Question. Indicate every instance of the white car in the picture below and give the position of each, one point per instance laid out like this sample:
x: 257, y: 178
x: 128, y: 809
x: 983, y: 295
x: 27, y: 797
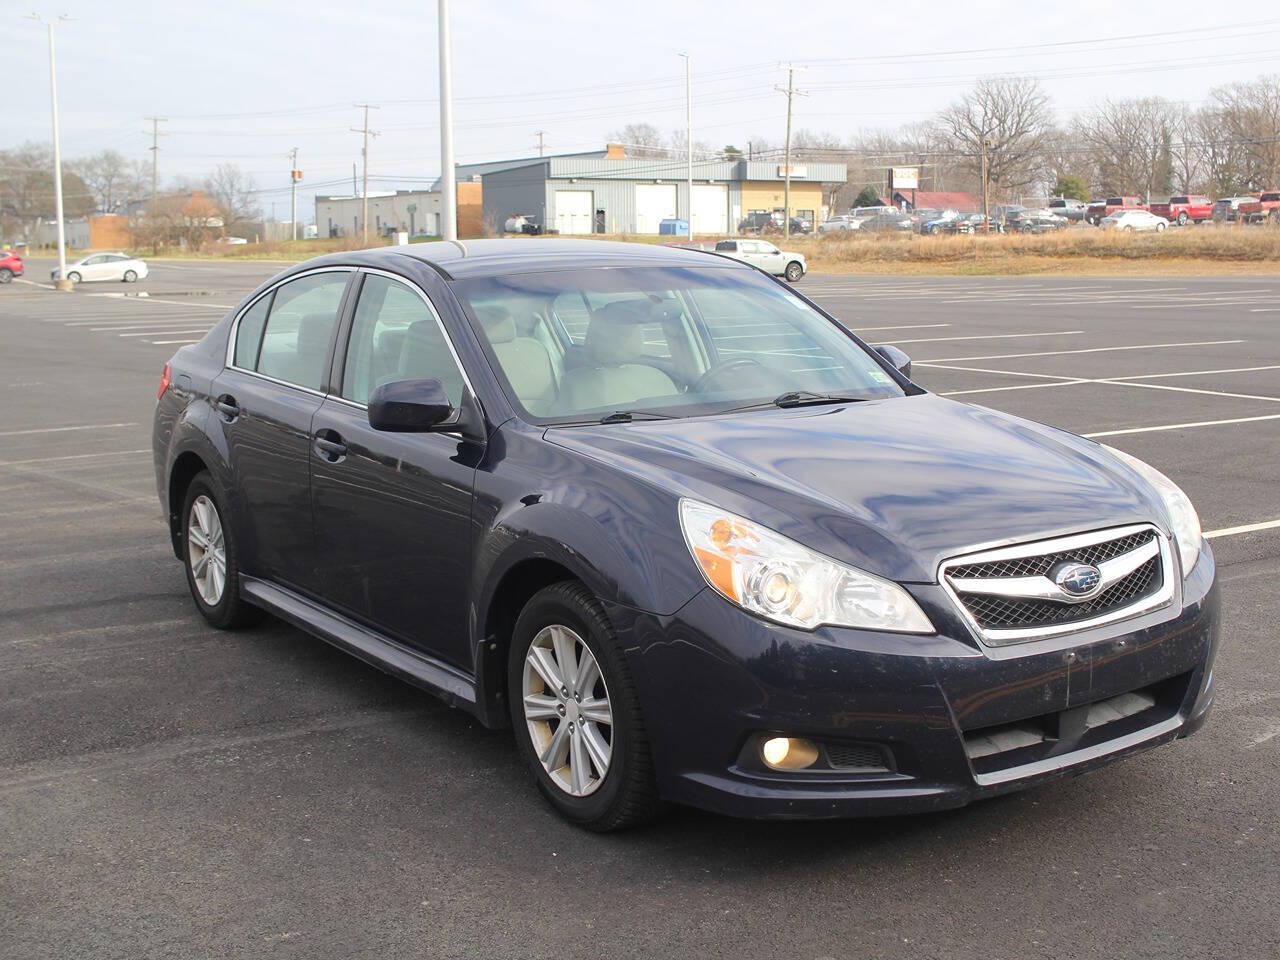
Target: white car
x: 763, y: 254
x: 104, y: 266
x: 1131, y: 221
x: 839, y: 224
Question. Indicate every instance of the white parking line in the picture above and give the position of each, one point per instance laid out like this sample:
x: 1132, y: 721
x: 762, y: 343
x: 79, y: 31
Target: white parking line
x: 162, y: 343
x: 1178, y: 426
x: 176, y: 303
x: 74, y: 456
x: 1243, y: 528
x: 995, y: 336
x: 900, y: 326
x: 1060, y: 353
x: 1018, y: 386
x: 83, y: 426
x: 163, y: 333
x: 1212, y: 393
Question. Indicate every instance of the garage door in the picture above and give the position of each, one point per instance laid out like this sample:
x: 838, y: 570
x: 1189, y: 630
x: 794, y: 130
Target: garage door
x: 710, y: 208
x: 573, y: 211
x: 655, y: 202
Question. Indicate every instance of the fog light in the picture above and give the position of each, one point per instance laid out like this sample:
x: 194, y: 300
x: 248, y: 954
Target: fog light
x: 789, y: 753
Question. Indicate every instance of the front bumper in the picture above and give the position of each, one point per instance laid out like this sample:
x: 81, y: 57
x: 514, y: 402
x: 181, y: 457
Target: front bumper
x: 713, y: 681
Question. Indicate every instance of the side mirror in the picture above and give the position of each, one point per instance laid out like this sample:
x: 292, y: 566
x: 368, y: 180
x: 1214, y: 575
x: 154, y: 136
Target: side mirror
x: 901, y: 362
x: 411, y: 406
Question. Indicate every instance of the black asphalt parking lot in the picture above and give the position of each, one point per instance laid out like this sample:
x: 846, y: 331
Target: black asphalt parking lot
x: 167, y: 790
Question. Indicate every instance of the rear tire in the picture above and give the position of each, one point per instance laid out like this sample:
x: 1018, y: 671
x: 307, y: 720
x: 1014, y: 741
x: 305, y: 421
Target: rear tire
x: 794, y: 272
x: 567, y: 624
x: 130, y: 276
x: 6, y: 275
x: 211, y: 558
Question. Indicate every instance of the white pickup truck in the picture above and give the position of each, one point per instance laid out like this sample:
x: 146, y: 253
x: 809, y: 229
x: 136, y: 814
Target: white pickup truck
x: 763, y: 254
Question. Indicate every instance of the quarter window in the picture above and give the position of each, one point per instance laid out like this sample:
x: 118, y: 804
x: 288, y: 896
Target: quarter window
x: 395, y: 336
x: 249, y: 333
x: 295, y: 343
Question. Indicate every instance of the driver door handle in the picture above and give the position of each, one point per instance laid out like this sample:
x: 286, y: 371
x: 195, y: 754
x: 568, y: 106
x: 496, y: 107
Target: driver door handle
x: 227, y: 407
x: 329, y: 446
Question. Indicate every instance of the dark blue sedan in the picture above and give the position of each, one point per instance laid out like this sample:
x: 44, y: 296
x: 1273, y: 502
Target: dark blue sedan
x: 685, y: 533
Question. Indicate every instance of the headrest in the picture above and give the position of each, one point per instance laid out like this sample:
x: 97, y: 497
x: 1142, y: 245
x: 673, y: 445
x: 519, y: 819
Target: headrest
x: 313, y: 333
x: 614, y: 335
x: 498, y: 325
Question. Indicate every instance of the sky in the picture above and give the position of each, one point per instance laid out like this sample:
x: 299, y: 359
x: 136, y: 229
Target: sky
x: 245, y: 82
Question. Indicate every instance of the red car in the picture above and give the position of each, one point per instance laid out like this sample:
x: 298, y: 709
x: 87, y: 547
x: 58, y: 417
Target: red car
x: 1266, y: 207
x: 1179, y: 210
x: 1098, y: 209
x: 10, y: 265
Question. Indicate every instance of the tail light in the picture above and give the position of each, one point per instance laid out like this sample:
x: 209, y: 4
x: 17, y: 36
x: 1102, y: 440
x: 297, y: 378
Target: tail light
x: 165, y: 380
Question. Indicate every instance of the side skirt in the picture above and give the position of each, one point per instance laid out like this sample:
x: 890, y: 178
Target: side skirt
x: 456, y: 688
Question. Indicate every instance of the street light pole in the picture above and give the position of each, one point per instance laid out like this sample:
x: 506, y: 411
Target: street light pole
x: 62, y: 283
x: 688, y: 133
x: 448, y: 187
x: 293, y: 194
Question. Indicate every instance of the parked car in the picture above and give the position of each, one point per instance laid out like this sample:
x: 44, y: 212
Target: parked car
x: 1038, y: 221
x: 1266, y: 207
x: 1134, y: 221
x: 889, y: 222
x: 861, y: 213
x: 1066, y: 207
x: 10, y: 266
x: 801, y: 225
x: 839, y: 224
x: 760, y: 221
x: 522, y: 223
x: 943, y: 222
x: 1226, y: 209
x: 680, y: 563
x: 1100, y: 209
x: 1181, y: 209
x: 763, y: 254
x: 104, y: 266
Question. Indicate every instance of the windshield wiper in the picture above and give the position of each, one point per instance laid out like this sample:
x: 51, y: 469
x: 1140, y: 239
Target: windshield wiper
x: 626, y: 416
x: 800, y: 398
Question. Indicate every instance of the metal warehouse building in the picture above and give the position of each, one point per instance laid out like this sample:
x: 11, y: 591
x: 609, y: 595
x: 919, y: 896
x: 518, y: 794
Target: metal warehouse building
x: 617, y: 194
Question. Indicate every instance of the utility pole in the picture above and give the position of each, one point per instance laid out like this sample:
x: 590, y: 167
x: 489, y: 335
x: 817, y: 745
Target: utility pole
x: 791, y: 93
x: 62, y: 282
x: 539, y: 134
x: 688, y: 131
x: 293, y: 194
x: 364, y: 190
x: 448, y: 186
x: 986, y: 214
x: 155, y: 159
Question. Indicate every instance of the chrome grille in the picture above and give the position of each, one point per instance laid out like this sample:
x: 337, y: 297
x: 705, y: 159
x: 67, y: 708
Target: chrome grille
x: 1007, y: 594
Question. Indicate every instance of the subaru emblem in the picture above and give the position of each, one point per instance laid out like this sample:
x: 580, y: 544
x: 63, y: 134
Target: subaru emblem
x: 1078, y: 580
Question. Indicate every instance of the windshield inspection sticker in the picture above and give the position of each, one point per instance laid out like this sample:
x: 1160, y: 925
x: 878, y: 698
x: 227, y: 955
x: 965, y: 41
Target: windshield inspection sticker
x: 879, y: 376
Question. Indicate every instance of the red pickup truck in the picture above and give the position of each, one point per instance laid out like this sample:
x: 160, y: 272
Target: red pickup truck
x: 1179, y: 210
x: 1104, y: 208
x: 1265, y: 207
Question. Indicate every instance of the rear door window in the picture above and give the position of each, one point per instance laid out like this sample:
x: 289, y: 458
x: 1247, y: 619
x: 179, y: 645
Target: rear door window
x: 295, y: 343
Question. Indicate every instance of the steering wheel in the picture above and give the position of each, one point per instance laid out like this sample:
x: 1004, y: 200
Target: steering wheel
x: 724, y: 366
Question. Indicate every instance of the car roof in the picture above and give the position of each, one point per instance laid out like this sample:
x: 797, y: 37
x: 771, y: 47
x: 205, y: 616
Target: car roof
x: 481, y: 258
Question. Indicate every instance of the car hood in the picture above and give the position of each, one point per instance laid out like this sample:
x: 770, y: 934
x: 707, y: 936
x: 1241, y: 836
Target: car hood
x: 892, y: 486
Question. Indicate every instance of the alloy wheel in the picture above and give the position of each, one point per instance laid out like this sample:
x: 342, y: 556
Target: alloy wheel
x: 207, y: 550
x: 567, y: 710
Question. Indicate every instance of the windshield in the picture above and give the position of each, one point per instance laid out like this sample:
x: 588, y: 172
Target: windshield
x: 578, y: 345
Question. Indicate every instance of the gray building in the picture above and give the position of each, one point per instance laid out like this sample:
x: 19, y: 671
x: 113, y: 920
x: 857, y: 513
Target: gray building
x: 611, y: 193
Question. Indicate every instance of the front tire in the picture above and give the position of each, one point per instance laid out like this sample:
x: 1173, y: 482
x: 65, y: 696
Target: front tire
x: 211, y: 558
x: 1182, y: 219
x: 576, y: 714
x: 73, y: 277
x: 6, y: 275
x: 130, y: 276
x: 1159, y: 228
x: 794, y: 272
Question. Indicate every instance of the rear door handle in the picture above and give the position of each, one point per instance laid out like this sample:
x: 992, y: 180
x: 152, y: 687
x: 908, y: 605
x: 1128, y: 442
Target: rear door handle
x: 227, y: 407
x: 329, y: 446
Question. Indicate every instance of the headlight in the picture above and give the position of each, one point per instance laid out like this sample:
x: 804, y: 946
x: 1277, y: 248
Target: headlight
x: 778, y: 579
x: 1183, y: 516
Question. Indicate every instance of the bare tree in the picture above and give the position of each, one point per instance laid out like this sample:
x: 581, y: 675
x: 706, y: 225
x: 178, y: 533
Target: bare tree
x: 1250, y: 115
x: 640, y: 140
x: 1012, y: 115
x: 107, y: 176
x: 231, y: 193
x: 1187, y: 156
x: 1131, y: 143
